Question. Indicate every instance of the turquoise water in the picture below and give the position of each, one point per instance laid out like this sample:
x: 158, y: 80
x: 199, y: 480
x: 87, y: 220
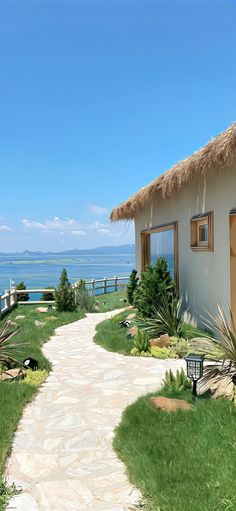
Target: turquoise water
x: 43, y: 271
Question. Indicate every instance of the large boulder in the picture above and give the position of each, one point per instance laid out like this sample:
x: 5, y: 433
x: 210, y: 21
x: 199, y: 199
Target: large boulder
x: 170, y: 405
x: 162, y: 342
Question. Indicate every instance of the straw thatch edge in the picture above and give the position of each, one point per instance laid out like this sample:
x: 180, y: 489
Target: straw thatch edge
x: 218, y: 153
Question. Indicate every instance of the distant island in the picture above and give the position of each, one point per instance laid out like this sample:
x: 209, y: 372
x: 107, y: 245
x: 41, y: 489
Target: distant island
x: 120, y: 249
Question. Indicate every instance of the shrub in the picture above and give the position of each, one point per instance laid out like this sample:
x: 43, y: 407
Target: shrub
x: 24, y: 297
x: 132, y: 286
x: 65, y: 295
x: 155, y: 281
x: 35, y: 378
x: 84, y: 299
x: 141, y: 342
x: 166, y: 319
x: 48, y: 296
x: 181, y: 347
x: 162, y: 353
x: 176, y: 384
x: 8, y: 347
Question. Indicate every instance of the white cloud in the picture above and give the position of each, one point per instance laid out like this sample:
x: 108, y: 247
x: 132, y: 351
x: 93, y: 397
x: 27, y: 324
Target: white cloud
x: 55, y: 224
x: 99, y: 210
x: 5, y: 228
x: 78, y: 233
x: 104, y: 231
x: 96, y: 226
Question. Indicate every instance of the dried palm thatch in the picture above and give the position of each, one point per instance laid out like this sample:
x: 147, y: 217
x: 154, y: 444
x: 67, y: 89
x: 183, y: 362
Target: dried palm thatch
x: 218, y: 153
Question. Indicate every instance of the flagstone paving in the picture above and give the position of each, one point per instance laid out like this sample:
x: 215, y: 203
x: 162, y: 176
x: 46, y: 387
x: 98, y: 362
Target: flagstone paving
x: 62, y: 455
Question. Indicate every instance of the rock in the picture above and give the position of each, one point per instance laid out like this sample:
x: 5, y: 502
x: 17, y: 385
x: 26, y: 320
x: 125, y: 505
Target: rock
x: 20, y: 316
x: 131, y: 316
x: 162, y: 342
x: 133, y: 331
x: 42, y: 309
x: 170, y: 405
x: 39, y: 324
x: 13, y: 374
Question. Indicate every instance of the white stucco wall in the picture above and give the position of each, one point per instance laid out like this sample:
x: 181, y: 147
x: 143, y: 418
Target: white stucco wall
x: 204, y: 277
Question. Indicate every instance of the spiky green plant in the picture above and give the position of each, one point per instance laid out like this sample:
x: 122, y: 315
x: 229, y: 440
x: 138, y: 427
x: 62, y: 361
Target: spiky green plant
x: 176, y: 383
x: 141, y: 342
x: 166, y: 319
x: 8, y: 347
x: 220, y: 350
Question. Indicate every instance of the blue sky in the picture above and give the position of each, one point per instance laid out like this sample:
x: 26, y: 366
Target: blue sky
x: 97, y: 99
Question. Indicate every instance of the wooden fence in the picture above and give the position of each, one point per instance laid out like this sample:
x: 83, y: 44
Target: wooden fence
x: 101, y: 286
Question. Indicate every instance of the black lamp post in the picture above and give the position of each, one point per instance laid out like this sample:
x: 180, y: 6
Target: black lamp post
x: 194, y: 370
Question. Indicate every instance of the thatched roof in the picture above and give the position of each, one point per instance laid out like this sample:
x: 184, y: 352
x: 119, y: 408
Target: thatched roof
x: 218, y: 153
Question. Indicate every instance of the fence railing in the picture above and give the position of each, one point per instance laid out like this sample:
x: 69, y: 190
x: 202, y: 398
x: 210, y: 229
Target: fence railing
x: 101, y: 286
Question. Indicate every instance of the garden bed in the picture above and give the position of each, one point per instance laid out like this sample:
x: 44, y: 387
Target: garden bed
x: 113, y: 337
x: 180, y: 461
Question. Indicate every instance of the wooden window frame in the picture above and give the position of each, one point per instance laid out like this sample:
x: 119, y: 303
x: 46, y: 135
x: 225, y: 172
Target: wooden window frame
x: 196, y: 221
x: 145, y: 246
x: 232, y: 228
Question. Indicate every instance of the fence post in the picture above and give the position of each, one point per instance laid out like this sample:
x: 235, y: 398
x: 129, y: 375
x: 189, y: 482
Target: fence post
x: 93, y: 286
x: 0, y: 305
x: 105, y: 285
x: 14, y: 294
x: 7, y: 299
x: 116, y: 283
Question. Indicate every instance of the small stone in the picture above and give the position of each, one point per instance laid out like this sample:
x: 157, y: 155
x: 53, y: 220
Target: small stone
x: 51, y: 318
x: 162, y: 342
x: 133, y: 331
x: 42, y: 309
x: 170, y: 405
x: 39, y: 324
x: 20, y: 316
x: 131, y: 316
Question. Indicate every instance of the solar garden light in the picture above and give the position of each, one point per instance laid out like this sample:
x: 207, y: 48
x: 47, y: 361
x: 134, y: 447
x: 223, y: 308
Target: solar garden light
x: 194, y: 370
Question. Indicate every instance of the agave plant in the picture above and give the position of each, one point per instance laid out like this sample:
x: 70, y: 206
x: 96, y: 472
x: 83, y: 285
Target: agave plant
x: 222, y: 353
x: 167, y: 318
x: 8, y: 347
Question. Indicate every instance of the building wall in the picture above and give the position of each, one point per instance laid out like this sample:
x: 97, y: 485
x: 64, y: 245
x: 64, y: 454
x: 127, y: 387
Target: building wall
x: 204, y: 277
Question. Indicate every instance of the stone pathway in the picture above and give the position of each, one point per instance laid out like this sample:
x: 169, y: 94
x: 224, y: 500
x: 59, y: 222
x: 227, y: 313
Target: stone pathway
x: 62, y: 455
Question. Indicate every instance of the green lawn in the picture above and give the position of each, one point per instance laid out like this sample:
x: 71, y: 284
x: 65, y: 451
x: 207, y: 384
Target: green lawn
x: 111, y: 336
x: 14, y: 396
x: 113, y: 301
x: 181, y: 461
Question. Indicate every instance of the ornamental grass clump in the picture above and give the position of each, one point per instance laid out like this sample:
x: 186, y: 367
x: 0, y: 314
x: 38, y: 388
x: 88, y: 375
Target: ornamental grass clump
x: 167, y: 318
x: 221, y: 351
x: 176, y: 384
x: 8, y: 347
x: 84, y: 299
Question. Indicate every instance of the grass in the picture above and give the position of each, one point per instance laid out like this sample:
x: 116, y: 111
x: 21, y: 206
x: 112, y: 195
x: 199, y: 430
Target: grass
x: 111, y: 336
x: 14, y: 396
x: 113, y: 301
x: 181, y: 461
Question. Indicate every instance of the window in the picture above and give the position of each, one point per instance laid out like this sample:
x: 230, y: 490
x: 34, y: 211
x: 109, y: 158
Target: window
x: 161, y: 241
x: 201, y: 232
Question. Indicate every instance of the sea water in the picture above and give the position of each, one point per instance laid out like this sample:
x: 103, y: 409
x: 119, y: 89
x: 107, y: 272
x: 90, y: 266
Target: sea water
x: 43, y: 271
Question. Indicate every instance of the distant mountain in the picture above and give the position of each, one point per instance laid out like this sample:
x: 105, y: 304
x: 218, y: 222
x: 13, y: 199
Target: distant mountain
x: 120, y: 249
